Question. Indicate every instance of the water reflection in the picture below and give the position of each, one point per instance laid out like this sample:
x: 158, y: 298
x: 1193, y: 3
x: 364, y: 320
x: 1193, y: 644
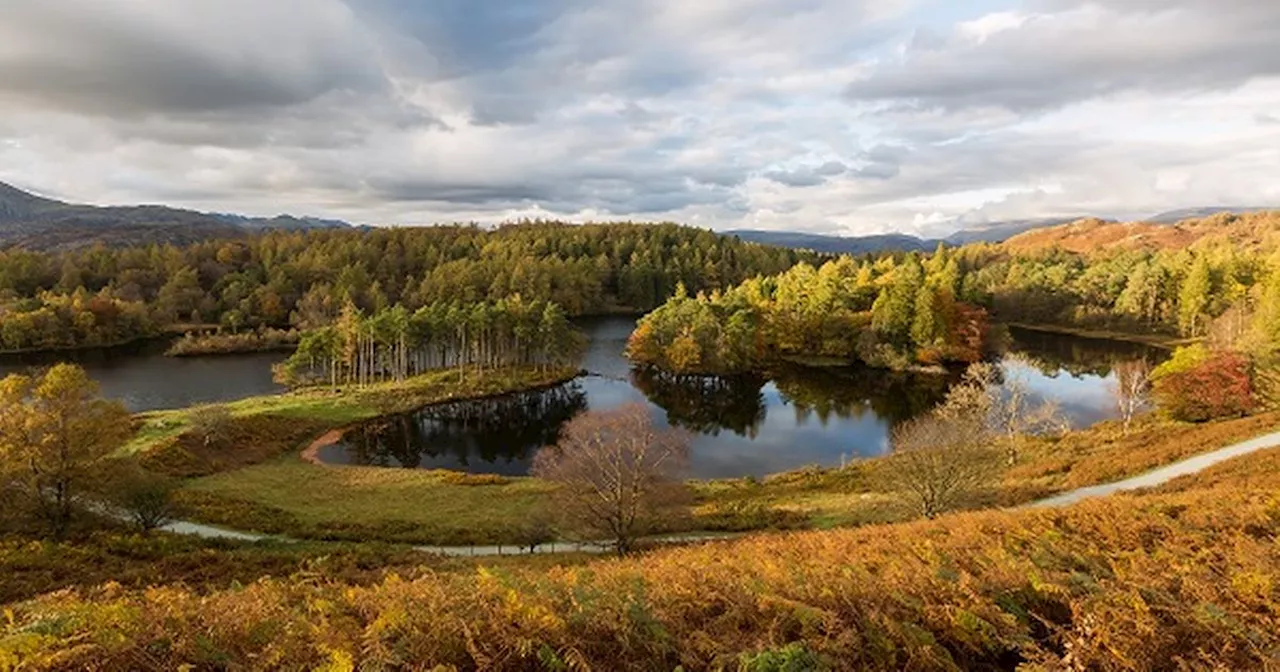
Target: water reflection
x: 743, y: 425
x: 497, y: 435
x: 705, y: 404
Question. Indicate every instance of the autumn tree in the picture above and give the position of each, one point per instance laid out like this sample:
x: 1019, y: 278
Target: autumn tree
x: 54, y: 431
x: 1197, y: 385
x: 941, y: 462
x: 618, y: 474
x: 1132, y: 389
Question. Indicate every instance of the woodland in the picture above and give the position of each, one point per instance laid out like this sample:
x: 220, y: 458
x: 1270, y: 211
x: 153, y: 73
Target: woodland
x: 930, y: 557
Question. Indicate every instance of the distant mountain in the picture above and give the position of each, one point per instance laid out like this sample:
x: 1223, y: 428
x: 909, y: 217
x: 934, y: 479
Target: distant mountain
x: 832, y: 244
x: 1175, y: 216
x: 994, y: 232
x: 997, y: 232
x: 37, y: 223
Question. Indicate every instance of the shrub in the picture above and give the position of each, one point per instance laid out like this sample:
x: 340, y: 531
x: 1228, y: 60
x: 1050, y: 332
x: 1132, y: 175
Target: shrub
x: 1219, y: 386
x: 210, y: 424
x: 146, y: 498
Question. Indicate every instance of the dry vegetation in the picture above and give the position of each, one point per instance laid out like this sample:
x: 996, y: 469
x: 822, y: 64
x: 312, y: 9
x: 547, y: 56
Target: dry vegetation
x: 1244, y: 231
x: 1178, y: 580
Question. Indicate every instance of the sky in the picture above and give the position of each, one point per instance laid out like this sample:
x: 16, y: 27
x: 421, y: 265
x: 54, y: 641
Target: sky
x: 828, y: 116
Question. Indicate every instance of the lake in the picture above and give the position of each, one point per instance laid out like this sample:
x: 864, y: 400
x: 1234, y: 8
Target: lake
x: 141, y: 377
x: 742, y: 426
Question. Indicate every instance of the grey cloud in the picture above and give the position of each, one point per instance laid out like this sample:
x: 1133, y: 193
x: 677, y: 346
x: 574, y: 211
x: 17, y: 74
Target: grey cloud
x: 1079, y: 51
x: 120, y: 58
x: 1266, y: 119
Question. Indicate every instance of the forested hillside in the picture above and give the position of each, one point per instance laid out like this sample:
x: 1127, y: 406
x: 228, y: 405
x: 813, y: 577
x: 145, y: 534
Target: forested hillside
x: 303, y: 279
x: 1216, y: 278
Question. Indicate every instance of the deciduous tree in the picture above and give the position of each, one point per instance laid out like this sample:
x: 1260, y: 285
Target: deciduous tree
x: 941, y: 462
x: 617, y: 473
x: 1132, y: 389
x: 55, y: 430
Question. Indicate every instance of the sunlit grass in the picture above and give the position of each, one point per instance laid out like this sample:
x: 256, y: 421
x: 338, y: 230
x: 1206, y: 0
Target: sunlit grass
x: 293, y: 497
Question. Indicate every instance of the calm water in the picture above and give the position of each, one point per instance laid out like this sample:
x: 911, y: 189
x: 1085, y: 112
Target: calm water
x: 145, y: 380
x: 742, y: 426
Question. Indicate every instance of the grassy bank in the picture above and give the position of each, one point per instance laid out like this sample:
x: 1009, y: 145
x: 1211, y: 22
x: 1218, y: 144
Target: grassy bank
x: 295, y: 498
x: 1181, y: 580
x: 264, y: 340
x: 322, y: 408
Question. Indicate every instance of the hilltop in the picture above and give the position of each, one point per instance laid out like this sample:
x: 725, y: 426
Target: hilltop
x: 38, y: 223
x: 1075, y: 233
x: 1246, y: 231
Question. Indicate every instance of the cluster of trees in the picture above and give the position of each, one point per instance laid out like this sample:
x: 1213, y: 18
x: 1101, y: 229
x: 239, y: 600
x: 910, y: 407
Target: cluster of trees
x: 395, y: 343
x: 886, y: 312
x: 303, y: 279
x: 1179, y: 291
x: 50, y: 321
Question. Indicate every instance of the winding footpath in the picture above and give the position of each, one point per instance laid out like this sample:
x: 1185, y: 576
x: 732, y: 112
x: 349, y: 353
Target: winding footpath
x: 1152, y: 478
x: 1164, y: 474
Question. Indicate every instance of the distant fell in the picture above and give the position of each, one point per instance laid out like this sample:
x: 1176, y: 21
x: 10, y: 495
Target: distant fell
x: 1246, y: 230
x: 993, y: 232
x: 1175, y: 216
x: 37, y: 223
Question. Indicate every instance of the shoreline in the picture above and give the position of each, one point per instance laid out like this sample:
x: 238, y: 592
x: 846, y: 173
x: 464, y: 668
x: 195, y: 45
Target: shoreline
x: 310, y: 454
x: 1153, y: 340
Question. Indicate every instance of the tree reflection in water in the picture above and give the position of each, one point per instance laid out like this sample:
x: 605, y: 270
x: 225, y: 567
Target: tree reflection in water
x: 496, y: 435
x: 853, y: 392
x: 705, y: 404
x: 743, y: 423
x: 1078, y: 356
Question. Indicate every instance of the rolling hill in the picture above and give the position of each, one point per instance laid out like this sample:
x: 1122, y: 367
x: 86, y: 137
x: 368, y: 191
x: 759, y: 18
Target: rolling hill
x: 1244, y: 231
x: 1166, y: 229
x: 37, y: 223
x: 993, y: 232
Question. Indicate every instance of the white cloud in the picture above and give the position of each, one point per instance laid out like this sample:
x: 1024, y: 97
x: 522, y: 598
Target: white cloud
x: 725, y: 114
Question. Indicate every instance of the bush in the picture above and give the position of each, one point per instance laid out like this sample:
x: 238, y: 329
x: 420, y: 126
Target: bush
x: 210, y: 424
x: 1219, y: 386
x: 147, y: 498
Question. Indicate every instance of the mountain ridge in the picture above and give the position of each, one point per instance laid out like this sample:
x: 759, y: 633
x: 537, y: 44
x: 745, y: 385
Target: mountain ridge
x: 35, y: 222
x: 994, y: 232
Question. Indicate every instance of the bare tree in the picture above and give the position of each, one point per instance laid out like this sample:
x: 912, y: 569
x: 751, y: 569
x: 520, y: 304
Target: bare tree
x: 618, y: 474
x: 941, y: 462
x: 1002, y: 398
x: 1132, y: 389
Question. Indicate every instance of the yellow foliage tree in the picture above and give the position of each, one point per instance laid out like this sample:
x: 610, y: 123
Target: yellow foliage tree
x: 54, y: 429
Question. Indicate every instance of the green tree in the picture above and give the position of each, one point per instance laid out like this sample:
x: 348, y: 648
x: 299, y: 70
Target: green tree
x: 1194, y: 298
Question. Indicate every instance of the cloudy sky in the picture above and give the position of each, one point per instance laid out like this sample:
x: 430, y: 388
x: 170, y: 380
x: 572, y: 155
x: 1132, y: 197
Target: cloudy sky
x: 836, y: 116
